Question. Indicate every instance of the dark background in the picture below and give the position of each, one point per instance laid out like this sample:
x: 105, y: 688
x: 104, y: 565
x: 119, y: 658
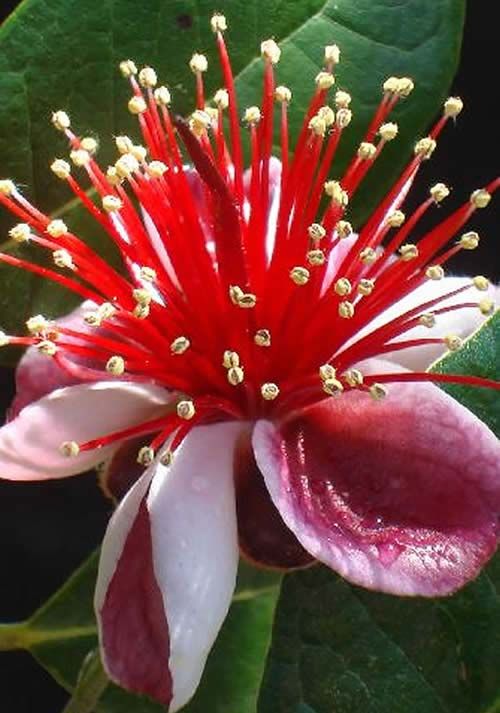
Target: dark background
x: 47, y: 529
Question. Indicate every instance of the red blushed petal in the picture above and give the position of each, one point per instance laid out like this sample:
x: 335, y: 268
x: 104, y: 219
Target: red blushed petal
x: 400, y: 495
x: 263, y: 537
x: 134, y: 629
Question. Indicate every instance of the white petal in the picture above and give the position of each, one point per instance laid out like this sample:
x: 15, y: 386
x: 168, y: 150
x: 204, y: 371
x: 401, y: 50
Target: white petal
x: 459, y: 322
x: 29, y: 445
x: 195, y: 548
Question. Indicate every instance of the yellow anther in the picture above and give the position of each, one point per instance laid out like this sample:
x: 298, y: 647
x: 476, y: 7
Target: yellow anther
x: 139, y: 152
x: 332, y: 54
x: 326, y: 372
x: 378, y: 392
x: 141, y: 311
x: 148, y: 78
x: 453, y: 106
x: 56, y: 228
x: 366, y: 287
x: 486, y: 307
x: 61, y: 120
x: 283, y: 94
x: 61, y: 168
x: 156, y: 169
x: 269, y: 391
x: 334, y: 190
x: 353, y: 377
x: 346, y: 309
x: 425, y: 147
x: 20, y: 233
x: 186, y: 409
x: 388, y: 131
x: 7, y: 187
x: 88, y: 143
x: 427, y: 319
x: 469, y: 241
x: 80, y: 157
x: 142, y: 296
x: 148, y: 274
x: 93, y: 319
x: 270, y: 51
x: 342, y: 99
x: 434, y: 272
x: 212, y: 113
x: 316, y: 257
x: 137, y: 105
x: 221, y: 98
x: 245, y: 300
x: 167, y: 458
x: 146, y: 455
x: 368, y: 256
x: 324, y: 80
x: 127, y: 68
x: 439, y: 192
x: 317, y: 125
x: 453, y: 342
x: 343, y: 118
x: 69, y: 449
x: 395, y: 219
x: 481, y: 283
x: 333, y: 387
x: 47, y: 347
x: 4, y: 339
x: 405, y: 86
x: 112, y: 175
x: 115, y: 365
x: 327, y: 114
x: 408, y: 252
x: 162, y: 96
x: 391, y: 85
x: 342, y: 286
x: 123, y: 144
x: 218, y: 23
x: 62, y: 258
x: 106, y: 310
x: 480, y: 198
x: 111, y: 203
x: 198, y: 63
x: 252, y: 115
x: 230, y: 359
x: 180, y: 345
x: 262, y: 338
x: 367, y: 151
x: 126, y: 165
x: 235, y: 375
x: 344, y: 229
x: 316, y: 232
x: 300, y: 275
x: 37, y: 324
x: 199, y: 122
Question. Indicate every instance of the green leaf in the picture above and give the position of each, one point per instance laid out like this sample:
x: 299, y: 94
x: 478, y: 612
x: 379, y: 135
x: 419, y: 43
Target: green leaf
x: 478, y: 356
x: 61, y: 635
x: 64, y: 54
x: 341, y: 649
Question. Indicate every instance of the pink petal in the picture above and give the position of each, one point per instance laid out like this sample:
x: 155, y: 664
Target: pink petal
x: 263, y: 536
x: 459, y: 322
x: 168, y: 569
x: 36, y: 375
x: 400, y: 495
x: 29, y: 445
x: 133, y: 627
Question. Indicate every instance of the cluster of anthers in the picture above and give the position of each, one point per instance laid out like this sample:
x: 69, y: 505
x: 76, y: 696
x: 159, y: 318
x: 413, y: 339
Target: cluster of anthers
x: 243, y: 292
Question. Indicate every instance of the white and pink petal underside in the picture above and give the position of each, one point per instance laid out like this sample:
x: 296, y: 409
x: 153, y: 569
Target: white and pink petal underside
x: 168, y: 569
x: 400, y: 495
x: 29, y: 445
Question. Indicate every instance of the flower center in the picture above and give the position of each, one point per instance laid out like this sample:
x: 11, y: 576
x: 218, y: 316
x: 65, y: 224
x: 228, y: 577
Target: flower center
x: 246, y: 293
